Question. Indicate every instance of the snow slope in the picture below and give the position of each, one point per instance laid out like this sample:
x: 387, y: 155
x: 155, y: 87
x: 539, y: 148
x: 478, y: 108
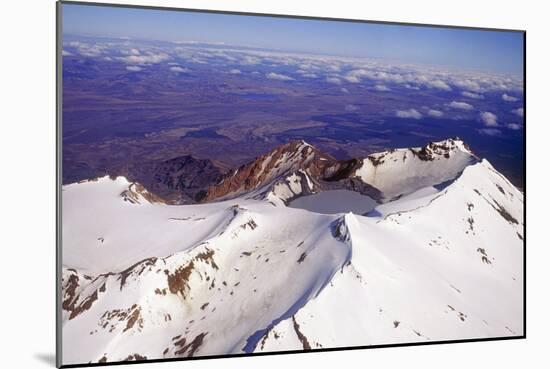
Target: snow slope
x: 403, y: 171
x: 447, y: 267
x: 145, y: 280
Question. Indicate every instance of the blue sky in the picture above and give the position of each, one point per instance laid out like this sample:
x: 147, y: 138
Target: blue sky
x: 491, y: 51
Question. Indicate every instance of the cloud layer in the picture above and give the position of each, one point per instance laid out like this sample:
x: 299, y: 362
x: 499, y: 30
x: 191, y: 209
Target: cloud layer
x: 489, y: 119
x: 410, y: 113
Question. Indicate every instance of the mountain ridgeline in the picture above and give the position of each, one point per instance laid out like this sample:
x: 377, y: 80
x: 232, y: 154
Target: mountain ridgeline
x: 439, y: 257
x: 298, y: 168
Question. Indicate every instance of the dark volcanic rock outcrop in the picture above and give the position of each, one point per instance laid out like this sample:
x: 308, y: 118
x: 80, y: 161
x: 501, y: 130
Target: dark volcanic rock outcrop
x: 180, y: 180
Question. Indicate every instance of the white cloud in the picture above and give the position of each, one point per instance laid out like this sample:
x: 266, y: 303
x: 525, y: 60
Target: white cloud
x: 439, y: 84
x: 65, y: 53
x: 488, y: 118
x: 411, y: 113
x: 435, y: 113
x: 309, y: 75
x: 381, y: 88
x: 519, y: 112
x: 355, y: 75
x: 490, y: 131
x: 344, y: 90
x: 88, y: 50
x: 351, y: 107
x: 251, y: 60
x: 133, y: 68
x: 334, y: 80
x: 352, y: 79
x: 514, y: 126
x: 411, y: 87
x: 461, y: 105
x: 472, y: 95
x: 178, y: 69
x: 468, y: 84
x: 507, y: 97
x: 280, y: 77
x: 132, y: 51
x: 149, y: 58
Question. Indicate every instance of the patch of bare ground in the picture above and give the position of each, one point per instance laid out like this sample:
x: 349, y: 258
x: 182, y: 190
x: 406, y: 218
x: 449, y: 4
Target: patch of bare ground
x: 460, y: 314
x: 69, y: 292
x: 251, y: 224
x: 504, y: 213
x: 189, y: 349
x: 470, y: 221
x: 159, y: 291
x: 135, y: 190
x: 84, y: 305
x: 519, y: 236
x: 207, y: 257
x: 303, y: 339
x: 112, y: 318
x: 179, y: 281
x: 484, y: 256
x: 266, y: 336
x: 136, y: 269
x: 135, y: 357
x: 134, y: 317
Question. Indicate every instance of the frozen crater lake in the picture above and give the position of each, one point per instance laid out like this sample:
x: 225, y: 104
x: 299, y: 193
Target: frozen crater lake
x: 335, y: 201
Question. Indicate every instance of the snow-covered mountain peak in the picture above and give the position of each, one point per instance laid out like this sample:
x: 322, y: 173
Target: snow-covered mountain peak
x: 280, y: 162
x: 156, y: 281
x: 401, y: 171
x: 137, y: 194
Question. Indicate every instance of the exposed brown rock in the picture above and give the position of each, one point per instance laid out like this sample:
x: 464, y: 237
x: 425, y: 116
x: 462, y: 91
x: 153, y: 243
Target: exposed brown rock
x: 135, y: 357
x: 84, y: 305
x: 135, y: 317
x: 207, y: 257
x: 69, y: 292
x: 137, y: 269
x: 178, y: 282
x: 267, y: 168
x: 135, y: 191
x: 190, y: 348
x: 301, y: 336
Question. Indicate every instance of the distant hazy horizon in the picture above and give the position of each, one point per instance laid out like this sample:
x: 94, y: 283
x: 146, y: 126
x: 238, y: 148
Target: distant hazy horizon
x: 482, y: 50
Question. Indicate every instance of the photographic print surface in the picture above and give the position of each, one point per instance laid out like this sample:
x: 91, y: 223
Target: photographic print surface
x: 238, y: 184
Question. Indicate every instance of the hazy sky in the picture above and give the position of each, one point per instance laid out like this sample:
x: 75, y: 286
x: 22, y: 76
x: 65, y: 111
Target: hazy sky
x: 492, y: 51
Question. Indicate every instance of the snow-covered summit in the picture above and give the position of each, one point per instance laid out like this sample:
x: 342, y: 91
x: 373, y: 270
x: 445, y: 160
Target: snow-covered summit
x: 403, y: 171
x: 145, y: 280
